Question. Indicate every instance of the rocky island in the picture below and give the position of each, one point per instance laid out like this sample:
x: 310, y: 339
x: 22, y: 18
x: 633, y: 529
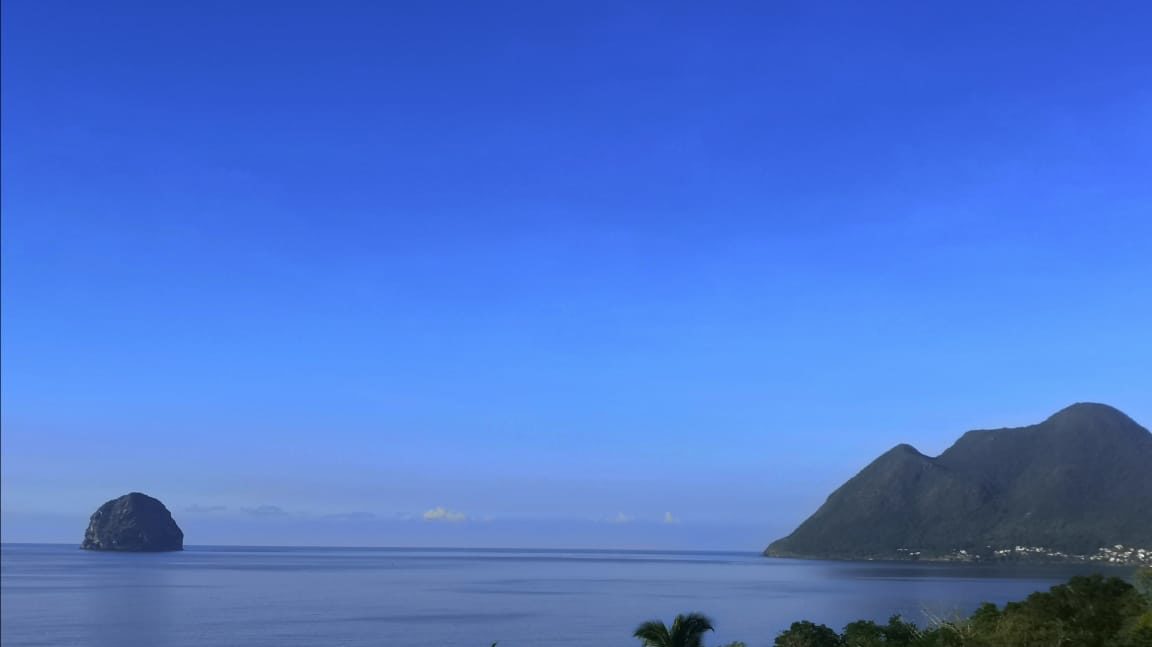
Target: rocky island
x: 134, y: 522
x: 1074, y: 488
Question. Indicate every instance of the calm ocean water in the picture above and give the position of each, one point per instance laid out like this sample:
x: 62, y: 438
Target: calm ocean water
x: 209, y: 596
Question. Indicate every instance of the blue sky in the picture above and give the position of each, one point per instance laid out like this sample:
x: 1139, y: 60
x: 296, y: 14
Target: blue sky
x: 308, y: 271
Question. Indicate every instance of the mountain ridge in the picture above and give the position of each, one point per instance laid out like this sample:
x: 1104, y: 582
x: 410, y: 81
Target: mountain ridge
x: 1076, y: 482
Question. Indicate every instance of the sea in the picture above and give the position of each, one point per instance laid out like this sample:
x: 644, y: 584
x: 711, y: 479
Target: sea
x: 60, y: 596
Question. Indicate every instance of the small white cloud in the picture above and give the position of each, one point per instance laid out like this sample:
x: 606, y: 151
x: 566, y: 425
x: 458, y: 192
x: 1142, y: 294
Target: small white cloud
x: 440, y: 513
x: 669, y: 518
x: 623, y: 518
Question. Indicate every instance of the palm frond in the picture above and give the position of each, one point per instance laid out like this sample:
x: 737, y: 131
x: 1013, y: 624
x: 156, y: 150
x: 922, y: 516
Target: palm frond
x: 654, y: 634
x: 688, y: 629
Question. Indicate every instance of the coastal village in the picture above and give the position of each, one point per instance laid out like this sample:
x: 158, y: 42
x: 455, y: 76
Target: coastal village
x: 1118, y: 554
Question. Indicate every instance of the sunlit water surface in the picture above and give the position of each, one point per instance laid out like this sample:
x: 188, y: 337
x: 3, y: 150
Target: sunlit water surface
x: 217, y: 596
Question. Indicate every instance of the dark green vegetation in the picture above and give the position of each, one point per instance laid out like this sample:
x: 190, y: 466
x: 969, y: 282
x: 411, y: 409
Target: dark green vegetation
x: 134, y: 522
x: 686, y: 631
x: 1091, y: 611
x: 1078, y: 481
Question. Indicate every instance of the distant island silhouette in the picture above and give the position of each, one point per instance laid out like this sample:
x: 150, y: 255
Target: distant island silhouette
x: 1076, y: 487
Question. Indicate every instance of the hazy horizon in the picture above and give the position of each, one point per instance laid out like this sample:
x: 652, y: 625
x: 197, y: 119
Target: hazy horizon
x: 654, y: 276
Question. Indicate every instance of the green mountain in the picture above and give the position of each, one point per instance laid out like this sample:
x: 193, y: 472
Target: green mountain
x: 1078, y: 481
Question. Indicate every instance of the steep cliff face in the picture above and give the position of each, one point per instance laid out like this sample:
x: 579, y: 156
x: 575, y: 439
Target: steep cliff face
x: 133, y: 522
x: 1080, y: 480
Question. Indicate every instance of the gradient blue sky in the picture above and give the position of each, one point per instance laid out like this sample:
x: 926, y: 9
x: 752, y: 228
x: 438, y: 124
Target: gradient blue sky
x: 306, y: 271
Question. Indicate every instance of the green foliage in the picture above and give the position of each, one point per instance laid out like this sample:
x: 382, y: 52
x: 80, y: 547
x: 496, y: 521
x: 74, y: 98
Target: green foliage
x: 687, y: 631
x: 807, y: 634
x: 868, y: 633
x: 900, y: 633
x: 1086, y: 612
x: 1093, y: 611
x: 865, y: 633
x: 1143, y: 582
